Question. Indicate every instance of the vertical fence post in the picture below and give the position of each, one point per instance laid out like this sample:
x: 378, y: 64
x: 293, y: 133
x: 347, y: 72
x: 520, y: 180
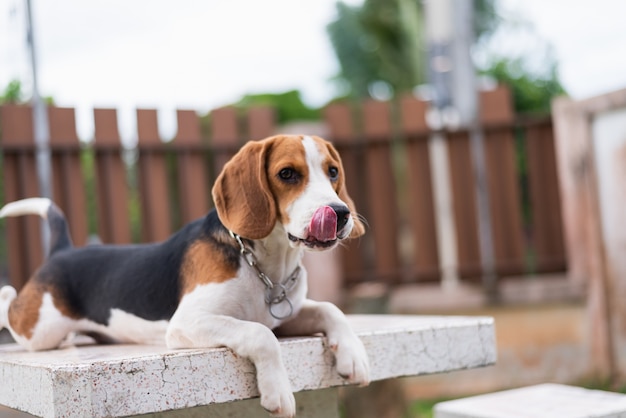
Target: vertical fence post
x: 502, y: 180
x: 380, y: 177
x: 547, y: 226
x: 68, y: 180
x: 224, y: 136
x: 111, y: 181
x: 260, y: 122
x: 338, y: 117
x: 20, y: 181
x: 419, y: 188
x: 464, y: 206
x: 192, y: 180
x: 153, y: 179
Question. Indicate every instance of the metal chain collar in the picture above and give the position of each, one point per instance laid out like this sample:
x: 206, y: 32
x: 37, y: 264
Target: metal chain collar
x: 275, y: 293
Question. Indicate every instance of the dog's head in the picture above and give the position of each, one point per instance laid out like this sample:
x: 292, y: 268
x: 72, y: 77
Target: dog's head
x: 297, y: 181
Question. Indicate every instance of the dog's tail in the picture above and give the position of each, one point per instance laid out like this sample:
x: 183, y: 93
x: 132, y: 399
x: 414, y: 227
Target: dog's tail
x: 59, y: 233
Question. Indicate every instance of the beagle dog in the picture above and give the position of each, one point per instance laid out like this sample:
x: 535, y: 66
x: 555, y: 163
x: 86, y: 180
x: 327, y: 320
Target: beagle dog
x: 226, y: 280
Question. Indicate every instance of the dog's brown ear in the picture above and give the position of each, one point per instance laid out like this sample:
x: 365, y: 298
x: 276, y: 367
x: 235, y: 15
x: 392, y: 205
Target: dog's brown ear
x: 342, y: 192
x: 242, y: 195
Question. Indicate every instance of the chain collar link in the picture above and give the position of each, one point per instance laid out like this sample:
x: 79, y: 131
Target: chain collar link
x: 275, y: 293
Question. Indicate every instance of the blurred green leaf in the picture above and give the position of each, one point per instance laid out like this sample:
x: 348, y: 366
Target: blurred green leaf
x: 12, y: 93
x: 288, y: 105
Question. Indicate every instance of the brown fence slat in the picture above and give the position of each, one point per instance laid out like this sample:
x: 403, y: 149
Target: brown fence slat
x: 69, y: 187
x: 224, y: 136
x: 261, y: 122
x: 111, y: 184
x: 24, y: 246
x: 193, y: 187
x: 383, y: 212
x: 547, y: 226
x: 153, y: 179
x: 421, y: 206
x: 340, y: 124
x: 464, y: 205
x: 504, y: 197
x: 502, y: 177
x: 496, y: 107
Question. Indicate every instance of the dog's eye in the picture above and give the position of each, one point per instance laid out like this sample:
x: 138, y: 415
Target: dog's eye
x: 288, y: 175
x: 333, y: 173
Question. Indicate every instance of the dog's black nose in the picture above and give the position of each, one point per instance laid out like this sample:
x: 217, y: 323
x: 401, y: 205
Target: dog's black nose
x: 343, y: 215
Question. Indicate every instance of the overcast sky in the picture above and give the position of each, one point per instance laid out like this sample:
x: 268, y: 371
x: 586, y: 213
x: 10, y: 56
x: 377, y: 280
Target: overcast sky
x: 169, y: 54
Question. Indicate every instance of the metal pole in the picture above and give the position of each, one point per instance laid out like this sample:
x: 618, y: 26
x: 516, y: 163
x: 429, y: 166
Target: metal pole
x: 466, y: 101
x: 455, y: 105
x: 439, y: 35
x: 40, y: 127
x: 485, y: 236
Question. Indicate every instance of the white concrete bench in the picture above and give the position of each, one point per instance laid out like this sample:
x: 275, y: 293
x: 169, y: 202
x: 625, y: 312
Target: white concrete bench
x: 539, y: 401
x: 126, y: 380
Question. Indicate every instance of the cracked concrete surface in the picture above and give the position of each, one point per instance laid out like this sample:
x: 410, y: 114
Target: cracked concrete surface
x: 118, y: 380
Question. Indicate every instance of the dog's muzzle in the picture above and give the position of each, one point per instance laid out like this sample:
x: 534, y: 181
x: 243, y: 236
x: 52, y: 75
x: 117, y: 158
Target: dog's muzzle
x: 326, y: 223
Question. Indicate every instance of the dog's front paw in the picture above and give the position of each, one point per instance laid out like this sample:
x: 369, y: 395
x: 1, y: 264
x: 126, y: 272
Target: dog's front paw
x: 277, y: 397
x: 351, y: 360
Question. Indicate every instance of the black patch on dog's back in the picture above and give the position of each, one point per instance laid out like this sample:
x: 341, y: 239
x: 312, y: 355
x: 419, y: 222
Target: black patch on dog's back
x: 143, y: 280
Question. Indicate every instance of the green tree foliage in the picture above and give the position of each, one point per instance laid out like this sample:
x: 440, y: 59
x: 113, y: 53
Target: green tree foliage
x: 383, y: 41
x: 288, y: 105
x: 532, y: 92
x: 12, y: 93
x: 380, y: 41
x: 486, y: 18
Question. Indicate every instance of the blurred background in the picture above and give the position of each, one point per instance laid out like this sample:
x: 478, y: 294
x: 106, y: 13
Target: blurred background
x: 169, y: 55
x: 443, y: 111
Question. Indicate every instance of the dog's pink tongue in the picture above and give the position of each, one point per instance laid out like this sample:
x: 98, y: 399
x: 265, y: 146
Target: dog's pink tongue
x: 323, y: 226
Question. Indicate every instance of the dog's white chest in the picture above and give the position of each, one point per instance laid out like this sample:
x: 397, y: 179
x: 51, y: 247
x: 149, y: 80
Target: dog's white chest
x: 243, y: 297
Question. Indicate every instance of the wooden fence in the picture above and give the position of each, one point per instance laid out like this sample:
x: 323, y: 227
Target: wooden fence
x: 385, y: 151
